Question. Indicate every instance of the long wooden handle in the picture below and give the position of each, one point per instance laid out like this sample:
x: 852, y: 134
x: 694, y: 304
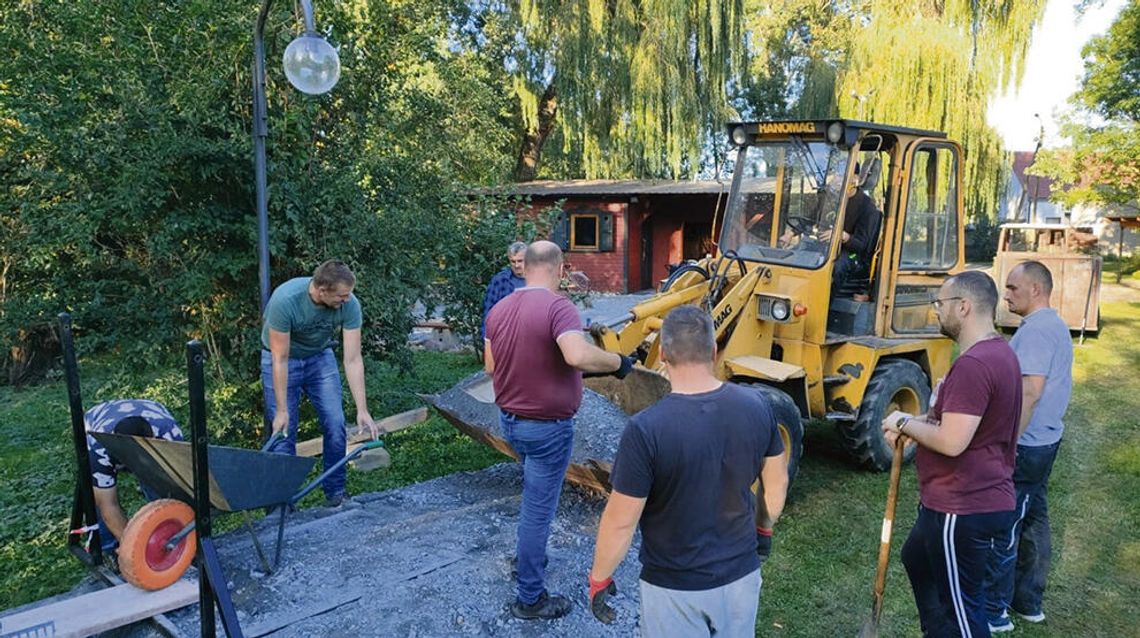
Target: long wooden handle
x: 885, y: 534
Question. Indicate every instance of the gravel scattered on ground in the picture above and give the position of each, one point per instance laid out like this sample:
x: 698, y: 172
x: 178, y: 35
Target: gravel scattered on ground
x: 431, y: 559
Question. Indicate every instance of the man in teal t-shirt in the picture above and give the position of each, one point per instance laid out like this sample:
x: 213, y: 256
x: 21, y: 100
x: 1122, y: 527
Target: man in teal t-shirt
x: 297, y: 335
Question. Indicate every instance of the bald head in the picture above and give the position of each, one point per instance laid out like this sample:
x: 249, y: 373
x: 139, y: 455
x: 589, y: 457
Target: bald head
x: 544, y: 255
x: 1037, y: 273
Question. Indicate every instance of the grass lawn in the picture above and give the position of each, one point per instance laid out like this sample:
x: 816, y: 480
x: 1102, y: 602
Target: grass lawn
x: 37, y: 460
x: 819, y: 579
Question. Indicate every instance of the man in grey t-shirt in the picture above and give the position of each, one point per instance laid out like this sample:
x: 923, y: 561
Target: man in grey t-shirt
x: 1019, y: 568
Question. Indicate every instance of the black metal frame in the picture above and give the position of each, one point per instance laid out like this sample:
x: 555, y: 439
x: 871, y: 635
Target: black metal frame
x: 83, y: 504
x: 212, y: 588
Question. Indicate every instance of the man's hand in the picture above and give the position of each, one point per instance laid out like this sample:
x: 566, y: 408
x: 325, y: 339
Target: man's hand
x: 763, y: 543
x: 364, y: 419
x: 894, y: 425
x: 281, y: 422
x: 600, y: 590
x: 625, y: 367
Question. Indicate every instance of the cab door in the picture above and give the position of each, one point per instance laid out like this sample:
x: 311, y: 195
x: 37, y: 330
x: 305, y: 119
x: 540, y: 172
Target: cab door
x: 927, y: 237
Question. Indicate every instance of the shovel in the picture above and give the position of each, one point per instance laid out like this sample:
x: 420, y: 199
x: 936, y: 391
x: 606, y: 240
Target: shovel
x: 871, y: 627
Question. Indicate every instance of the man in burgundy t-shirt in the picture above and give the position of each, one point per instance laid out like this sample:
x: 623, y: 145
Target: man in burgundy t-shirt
x: 965, y: 459
x: 536, y: 352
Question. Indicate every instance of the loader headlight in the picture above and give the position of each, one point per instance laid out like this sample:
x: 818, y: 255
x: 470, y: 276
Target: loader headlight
x: 739, y: 136
x: 835, y: 132
x: 778, y: 309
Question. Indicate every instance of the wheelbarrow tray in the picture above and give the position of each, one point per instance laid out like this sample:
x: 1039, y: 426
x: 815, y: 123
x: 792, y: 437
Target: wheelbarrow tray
x: 240, y: 479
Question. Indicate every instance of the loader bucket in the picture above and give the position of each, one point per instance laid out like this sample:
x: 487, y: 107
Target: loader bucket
x: 599, y: 423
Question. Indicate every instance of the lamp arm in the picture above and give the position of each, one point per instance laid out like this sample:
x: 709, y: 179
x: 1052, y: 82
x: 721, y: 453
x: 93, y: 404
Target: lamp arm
x: 310, y: 23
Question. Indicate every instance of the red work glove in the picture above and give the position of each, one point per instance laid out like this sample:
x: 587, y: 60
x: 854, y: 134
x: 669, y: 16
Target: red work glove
x: 600, y: 590
x: 763, y: 543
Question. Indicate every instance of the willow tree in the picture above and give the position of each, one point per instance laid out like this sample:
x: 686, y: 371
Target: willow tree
x: 921, y: 63
x: 634, y: 87
x: 936, y: 64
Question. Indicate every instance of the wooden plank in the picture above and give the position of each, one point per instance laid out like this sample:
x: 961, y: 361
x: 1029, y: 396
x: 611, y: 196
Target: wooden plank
x: 394, y: 423
x: 99, y: 611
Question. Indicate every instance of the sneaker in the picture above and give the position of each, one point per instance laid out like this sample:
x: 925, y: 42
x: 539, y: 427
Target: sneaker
x: 547, y: 607
x: 1001, y: 624
x: 336, y: 500
x: 1033, y: 618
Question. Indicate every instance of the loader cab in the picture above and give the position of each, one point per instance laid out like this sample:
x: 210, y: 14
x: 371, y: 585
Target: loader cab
x: 796, y: 183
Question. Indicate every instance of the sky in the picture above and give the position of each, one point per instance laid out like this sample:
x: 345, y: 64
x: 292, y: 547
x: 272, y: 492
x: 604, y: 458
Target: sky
x: 1053, y: 69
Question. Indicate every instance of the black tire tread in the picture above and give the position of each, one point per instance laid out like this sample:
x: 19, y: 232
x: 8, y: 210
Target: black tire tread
x: 864, y: 439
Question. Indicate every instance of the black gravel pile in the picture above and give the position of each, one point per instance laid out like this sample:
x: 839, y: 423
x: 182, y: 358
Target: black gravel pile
x: 597, y: 430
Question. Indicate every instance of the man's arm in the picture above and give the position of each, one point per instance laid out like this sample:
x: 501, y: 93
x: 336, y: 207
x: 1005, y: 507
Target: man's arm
x: 772, y: 491
x: 107, y: 500
x: 279, y: 353
x: 1032, y: 386
x: 585, y: 356
x: 615, y: 533
x: 354, y: 372
x: 949, y: 438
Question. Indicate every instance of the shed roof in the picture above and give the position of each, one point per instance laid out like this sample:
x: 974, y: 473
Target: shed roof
x: 610, y: 187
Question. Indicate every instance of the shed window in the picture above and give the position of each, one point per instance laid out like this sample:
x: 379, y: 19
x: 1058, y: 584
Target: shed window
x: 584, y: 232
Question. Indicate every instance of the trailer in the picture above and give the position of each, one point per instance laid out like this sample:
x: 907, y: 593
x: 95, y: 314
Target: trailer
x: 1069, y: 252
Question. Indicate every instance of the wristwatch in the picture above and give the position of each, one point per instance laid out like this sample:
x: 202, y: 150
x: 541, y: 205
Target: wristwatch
x: 900, y: 425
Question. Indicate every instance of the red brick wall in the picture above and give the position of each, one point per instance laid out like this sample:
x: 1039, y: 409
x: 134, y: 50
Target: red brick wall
x: 606, y: 270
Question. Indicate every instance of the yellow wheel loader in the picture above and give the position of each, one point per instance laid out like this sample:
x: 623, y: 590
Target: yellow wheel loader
x: 848, y: 352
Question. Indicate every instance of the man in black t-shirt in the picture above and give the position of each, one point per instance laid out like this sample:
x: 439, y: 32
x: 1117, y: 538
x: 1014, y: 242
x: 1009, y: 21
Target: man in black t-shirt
x: 684, y: 471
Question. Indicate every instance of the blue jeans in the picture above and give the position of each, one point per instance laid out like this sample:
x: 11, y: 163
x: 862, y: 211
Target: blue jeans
x: 946, y: 556
x: 544, y: 450
x: 319, y: 378
x: 1019, y: 565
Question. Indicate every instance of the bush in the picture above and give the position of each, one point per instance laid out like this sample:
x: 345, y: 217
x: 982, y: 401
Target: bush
x: 981, y: 240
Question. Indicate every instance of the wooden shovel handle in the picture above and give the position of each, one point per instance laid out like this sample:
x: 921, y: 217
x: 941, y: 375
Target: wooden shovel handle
x: 885, y: 535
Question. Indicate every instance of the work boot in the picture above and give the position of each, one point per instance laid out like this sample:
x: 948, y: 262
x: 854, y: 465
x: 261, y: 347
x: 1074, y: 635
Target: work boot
x: 336, y: 500
x: 547, y: 607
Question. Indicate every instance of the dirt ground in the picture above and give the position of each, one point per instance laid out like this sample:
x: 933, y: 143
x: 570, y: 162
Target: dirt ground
x: 430, y: 559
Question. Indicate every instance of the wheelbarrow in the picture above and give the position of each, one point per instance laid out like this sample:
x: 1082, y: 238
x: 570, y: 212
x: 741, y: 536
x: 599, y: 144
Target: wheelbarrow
x: 158, y: 543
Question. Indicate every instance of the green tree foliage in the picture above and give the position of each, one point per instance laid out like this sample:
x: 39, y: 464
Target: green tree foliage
x: 1102, y: 164
x: 929, y: 64
x: 126, y: 172
x: 634, y: 88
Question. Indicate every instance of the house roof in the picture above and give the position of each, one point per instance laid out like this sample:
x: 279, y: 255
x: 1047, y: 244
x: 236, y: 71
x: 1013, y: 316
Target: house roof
x: 1032, y: 184
x: 610, y: 187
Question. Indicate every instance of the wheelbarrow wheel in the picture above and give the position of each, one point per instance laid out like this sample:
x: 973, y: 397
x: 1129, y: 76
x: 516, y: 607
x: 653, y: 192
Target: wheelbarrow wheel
x: 143, y: 558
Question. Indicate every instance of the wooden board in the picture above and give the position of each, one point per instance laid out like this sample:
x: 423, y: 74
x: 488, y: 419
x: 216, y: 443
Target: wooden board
x: 99, y: 611
x: 396, y: 422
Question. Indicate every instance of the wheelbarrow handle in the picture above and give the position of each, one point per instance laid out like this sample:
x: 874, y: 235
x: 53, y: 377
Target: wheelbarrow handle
x: 273, y: 439
x: 371, y: 445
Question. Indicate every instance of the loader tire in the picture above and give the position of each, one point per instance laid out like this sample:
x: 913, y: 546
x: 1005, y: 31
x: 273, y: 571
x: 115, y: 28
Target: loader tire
x: 897, y: 384
x: 789, y: 424
x: 143, y: 558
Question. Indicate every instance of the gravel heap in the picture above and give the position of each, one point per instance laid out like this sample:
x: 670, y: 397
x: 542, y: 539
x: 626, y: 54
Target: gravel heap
x: 597, y: 430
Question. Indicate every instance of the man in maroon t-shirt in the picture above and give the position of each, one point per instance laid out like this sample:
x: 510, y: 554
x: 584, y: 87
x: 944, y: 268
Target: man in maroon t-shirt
x: 965, y: 458
x: 536, y: 352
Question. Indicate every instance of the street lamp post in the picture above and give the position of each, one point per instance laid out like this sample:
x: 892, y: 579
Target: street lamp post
x: 312, y: 66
